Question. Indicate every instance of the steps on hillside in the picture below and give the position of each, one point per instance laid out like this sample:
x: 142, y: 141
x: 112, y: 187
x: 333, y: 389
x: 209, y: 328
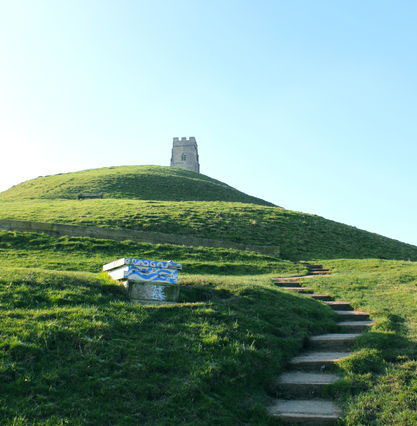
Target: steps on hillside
x: 308, y: 412
x: 312, y: 271
x: 333, y: 341
x: 309, y: 376
x: 323, y: 297
x: 352, y: 315
x: 315, y: 269
x: 339, y: 305
x: 311, y: 265
x: 287, y: 284
x: 299, y: 289
x: 355, y: 326
x: 317, y: 360
x: 299, y: 384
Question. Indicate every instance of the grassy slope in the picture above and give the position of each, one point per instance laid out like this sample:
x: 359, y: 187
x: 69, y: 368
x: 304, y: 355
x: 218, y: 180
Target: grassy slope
x: 133, y: 182
x: 381, y: 383
x: 90, y: 254
x: 74, y: 351
x: 299, y: 235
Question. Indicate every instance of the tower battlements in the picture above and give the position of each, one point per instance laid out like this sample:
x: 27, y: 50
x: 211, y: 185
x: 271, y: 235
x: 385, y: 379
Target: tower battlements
x: 185, y: 154
x: 184, y: 141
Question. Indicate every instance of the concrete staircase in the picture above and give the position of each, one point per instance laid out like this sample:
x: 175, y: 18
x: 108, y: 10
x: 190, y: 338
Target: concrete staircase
x: 300, y: 390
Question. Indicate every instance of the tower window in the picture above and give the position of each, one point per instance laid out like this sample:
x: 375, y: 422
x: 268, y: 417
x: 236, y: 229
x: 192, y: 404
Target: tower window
x: 183, y: 157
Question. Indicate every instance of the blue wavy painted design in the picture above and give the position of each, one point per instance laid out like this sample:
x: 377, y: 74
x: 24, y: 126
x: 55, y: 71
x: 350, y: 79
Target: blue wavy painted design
x: 152, y: 274
x: 154, y: 264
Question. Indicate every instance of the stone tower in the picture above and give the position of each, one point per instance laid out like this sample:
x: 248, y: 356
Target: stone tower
x: 185, y: 154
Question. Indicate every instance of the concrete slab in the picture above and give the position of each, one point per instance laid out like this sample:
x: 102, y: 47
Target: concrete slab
x: 299, y: 289
x: 333, y: 341
x: 305, y: 276
x: 339, y: 305
x: 352, y: 315
x: 317, y: 360
x: 302, y: 385
x: 335, y: 337
x: 301, y: 378
x: 324, y: 297
x: 287, y: 284
x: 308, y: 412
x: 355, y: 326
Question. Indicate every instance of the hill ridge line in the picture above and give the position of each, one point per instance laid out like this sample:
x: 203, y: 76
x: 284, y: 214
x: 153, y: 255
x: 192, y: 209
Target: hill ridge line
x: 59, y: 229
x: 131, y: 182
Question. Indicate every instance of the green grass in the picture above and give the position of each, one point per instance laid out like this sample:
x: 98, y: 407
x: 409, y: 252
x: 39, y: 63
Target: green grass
x: 133, y: 182
x: 75, y: 351
x: 25, y: 249
x: 380, y: 386
x: 299, y: 235
x: 171, y: 200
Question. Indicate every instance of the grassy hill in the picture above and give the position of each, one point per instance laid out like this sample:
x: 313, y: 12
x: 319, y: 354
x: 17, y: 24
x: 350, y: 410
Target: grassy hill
x: 131, y: 182
x: 34, y: 250
x: 171, y: 200
x: 299, y: 235
x: 380, y: 380
x: 75, y: 351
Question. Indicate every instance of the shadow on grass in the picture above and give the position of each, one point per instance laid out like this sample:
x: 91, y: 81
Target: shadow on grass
x: 82, y: 355
x: 191, y: 294
x: 375, y: 352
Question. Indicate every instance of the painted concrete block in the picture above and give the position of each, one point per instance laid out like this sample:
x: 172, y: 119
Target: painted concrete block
x: 148, y: 280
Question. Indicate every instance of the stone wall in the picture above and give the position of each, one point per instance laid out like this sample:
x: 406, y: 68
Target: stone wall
x: 58, y: 229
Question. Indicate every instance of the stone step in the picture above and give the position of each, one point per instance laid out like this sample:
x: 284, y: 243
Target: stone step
x: 318, y: 272
x: 287, y: 279
x: 308, y: 412
x: 311, y: 265
x: 352, y: 315
x: 339, y: 305
x: 298, y: 289
x: 298, y: 384
x: 324, y: 297
x: 302, y: 277
x: 355, y: 326
x: 333, y: 341
x: 317, y: 361
x: 317, y: 268
x: 287, y: 283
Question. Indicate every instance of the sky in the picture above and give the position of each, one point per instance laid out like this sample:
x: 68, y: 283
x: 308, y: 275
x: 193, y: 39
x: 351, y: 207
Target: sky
x: 308, y: 104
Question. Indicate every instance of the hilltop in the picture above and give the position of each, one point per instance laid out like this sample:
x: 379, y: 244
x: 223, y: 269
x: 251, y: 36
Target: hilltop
x: 176, y: 201
x: 131, y: 182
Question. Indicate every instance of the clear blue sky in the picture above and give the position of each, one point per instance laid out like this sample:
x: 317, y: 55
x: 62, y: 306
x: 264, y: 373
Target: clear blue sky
x: 309, y: 104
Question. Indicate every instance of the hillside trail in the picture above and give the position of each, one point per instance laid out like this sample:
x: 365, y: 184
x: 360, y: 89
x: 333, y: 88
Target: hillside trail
x: 300, y: 389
